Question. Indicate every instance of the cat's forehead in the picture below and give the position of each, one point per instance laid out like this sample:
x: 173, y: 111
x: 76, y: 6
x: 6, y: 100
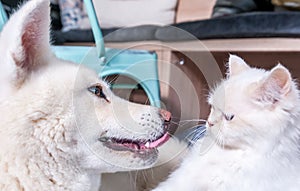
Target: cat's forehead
x: 235, y: 88
x: 227, y: 100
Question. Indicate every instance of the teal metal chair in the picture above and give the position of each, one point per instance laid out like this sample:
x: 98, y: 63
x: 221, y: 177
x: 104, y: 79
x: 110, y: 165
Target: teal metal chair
x: 3, y: 16
x: 139, y: 65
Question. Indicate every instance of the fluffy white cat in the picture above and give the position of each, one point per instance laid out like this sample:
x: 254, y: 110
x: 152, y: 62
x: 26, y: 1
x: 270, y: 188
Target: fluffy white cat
x: 253, y: 135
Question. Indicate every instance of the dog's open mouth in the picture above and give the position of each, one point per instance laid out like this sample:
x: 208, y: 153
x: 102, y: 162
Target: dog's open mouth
x: 134, y: 145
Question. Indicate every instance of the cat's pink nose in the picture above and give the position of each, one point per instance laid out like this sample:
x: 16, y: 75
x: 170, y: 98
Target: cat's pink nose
x: 166, y: 115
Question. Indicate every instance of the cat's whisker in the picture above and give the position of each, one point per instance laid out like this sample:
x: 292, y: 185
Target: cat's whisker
x: 183, y: 122
x: 193, y: 120
x: 175, y: 117
x: 186, y: 122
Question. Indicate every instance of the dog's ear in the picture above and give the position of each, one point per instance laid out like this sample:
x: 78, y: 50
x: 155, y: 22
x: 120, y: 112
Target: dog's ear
x: 24, y: 42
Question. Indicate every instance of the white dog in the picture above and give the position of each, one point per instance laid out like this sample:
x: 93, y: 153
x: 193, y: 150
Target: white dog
x: 60, y: 124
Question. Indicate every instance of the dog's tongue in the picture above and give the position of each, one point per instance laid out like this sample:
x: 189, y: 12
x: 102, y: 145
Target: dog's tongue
x: 156, y: 143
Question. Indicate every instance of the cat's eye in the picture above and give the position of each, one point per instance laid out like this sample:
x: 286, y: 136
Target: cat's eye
x: 229, y: 117
x: 98, y: 91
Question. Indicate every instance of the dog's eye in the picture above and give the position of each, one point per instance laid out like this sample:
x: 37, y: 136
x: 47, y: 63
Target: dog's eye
x: 97, y: 90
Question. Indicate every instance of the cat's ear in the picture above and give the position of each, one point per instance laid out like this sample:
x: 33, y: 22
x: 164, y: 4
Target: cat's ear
x: 236, y: 65
x: 24, y: 43
x: 277, y: 84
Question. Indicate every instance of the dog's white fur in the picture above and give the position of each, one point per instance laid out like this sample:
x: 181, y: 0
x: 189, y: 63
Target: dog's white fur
x: 253, y: 135
x: 50, y: 122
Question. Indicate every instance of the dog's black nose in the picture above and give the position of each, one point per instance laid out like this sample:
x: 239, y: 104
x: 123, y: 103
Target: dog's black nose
x: 165, y: 115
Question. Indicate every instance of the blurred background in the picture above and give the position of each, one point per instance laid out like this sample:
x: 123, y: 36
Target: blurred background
x: 191, y: 41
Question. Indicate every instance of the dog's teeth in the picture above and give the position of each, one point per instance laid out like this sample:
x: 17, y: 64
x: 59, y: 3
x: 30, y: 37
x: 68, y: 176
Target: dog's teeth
x: 137, y: 147
x: 147, y: 144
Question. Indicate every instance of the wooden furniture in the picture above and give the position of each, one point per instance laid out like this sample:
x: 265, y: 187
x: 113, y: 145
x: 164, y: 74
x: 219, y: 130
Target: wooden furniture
x: 192, y: 10
x: 178, y: 65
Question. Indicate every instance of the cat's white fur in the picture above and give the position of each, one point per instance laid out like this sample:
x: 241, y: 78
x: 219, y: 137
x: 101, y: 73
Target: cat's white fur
x: 253, y: 135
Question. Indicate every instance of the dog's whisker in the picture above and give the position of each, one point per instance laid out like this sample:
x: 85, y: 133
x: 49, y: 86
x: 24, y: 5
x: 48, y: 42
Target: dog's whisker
x: 174, y: 123
x: 172, y: 136
x: 144, y: 176
x: 132, y: 179
x: 146, y: 101
x: 152, y: 173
